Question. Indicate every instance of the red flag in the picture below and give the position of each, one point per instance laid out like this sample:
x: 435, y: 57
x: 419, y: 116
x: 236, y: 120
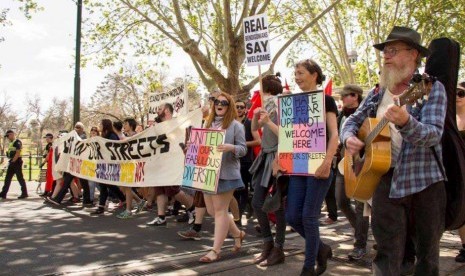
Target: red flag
x: 329, y: 88
x: 256, y: 101
x: 286, y: 87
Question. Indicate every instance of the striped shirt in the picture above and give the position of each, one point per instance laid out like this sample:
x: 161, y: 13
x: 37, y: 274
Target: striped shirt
x: 416, y: 167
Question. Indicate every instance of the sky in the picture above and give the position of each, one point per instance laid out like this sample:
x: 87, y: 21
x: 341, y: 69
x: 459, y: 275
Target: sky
x: 37, y: 57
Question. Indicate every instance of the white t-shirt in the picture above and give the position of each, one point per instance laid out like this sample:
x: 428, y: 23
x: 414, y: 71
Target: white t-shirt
x: 396, y: 138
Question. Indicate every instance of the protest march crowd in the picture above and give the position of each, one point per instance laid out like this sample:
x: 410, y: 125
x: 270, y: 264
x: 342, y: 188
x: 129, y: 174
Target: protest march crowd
x: 277, y: 158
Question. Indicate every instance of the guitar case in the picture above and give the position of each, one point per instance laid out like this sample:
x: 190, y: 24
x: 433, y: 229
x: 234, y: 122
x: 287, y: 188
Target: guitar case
x: 443, y: 63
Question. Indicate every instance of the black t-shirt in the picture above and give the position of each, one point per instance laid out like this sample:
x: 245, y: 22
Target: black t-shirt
x: 248, y: 158
x: 330, y: 106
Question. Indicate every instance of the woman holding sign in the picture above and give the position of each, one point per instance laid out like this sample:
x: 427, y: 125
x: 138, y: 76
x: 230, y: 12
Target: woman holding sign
x: 223, y: 116
x: 306, y: 193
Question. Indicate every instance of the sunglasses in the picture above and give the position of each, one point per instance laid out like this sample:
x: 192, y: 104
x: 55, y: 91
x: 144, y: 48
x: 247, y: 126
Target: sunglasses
x: 460, y: 93
x: 211, y: 98
x: 351, y: 94
x: 240, y: 106
x: 223, y: 102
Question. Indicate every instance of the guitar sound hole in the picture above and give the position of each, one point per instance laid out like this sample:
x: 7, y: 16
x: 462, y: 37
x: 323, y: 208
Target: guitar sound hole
x: 358, y: 162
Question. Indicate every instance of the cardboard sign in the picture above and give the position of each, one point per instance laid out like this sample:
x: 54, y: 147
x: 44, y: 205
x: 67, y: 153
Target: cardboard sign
x: 177, y: 97
x: 203, y: 161
x: 302, y: 132
x: 256, y: 38
x: 151, y: 158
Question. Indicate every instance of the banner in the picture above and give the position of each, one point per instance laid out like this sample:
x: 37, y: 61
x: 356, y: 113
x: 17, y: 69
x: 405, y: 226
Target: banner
x: 177, y: 97
x: 203, y: 161
x: 153, y: 157
x: 256, y: 40
x: 302, y: 132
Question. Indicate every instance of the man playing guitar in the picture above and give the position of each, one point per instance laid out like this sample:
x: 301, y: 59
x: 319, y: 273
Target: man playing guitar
x: 412, y: 191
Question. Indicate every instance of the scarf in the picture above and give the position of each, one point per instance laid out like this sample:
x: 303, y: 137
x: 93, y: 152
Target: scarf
x: 217, y: 122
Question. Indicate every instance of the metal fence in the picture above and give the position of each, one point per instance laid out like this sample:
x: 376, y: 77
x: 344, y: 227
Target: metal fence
x: 31, y: 167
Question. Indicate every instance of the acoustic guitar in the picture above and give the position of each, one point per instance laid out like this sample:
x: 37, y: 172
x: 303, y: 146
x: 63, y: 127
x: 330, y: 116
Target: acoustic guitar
x: 363, y: 171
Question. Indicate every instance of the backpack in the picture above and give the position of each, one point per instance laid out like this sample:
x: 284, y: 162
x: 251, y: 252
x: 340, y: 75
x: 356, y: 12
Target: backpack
x: 443, y: 63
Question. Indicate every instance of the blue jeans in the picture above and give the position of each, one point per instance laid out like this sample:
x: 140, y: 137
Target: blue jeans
x: 304, y: 199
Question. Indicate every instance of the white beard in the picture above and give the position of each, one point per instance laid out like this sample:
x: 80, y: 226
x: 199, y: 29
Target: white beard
x: 391, y: 77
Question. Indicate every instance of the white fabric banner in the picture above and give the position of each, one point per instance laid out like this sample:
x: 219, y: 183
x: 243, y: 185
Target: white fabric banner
x: 177, y: 97
x: 153, y: 157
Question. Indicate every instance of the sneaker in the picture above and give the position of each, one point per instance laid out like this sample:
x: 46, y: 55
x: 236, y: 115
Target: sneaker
x: 183, y: 218
x: 188, y: 217
x: 171, y: 212
x: 87, y: 204
x: 22, y: 196
x: 141, y: 206
x: 460, y: 258
x: 357, y: 253
x: 190, y: 234
x: 53, y: 201
x: 74, y: 200
x: 124, y: 215
x: 98, y: 211
x: 157, y: 222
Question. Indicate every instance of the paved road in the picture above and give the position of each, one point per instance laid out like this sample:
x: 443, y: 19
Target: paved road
x: 38, y: 239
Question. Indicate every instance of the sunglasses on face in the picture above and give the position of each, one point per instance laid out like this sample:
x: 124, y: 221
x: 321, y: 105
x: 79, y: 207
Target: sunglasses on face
x: 349, y: 94
x: 240, y: 107
x: 211, y: 99
x: 460, y: 93
x: 223, y: 102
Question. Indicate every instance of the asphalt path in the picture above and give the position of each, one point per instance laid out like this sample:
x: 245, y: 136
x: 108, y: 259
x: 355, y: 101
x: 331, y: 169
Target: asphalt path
x: 39, y: 239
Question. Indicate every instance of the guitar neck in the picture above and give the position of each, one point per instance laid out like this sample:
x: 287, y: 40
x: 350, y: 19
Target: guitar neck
x: 377, y: 130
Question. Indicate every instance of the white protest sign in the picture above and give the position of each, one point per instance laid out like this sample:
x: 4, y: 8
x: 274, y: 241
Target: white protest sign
x: 153, y: 157
x: 256, y: 38
x: 177, y: 97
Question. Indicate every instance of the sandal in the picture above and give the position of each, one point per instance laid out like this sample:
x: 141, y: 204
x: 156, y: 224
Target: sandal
x: 206, y: 259
x: 240, y: 238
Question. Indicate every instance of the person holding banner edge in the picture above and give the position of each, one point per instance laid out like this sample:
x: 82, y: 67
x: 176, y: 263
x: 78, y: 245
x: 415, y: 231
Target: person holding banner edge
x: 306, y: 193
x: 223, y: 116
x: 106, y: 127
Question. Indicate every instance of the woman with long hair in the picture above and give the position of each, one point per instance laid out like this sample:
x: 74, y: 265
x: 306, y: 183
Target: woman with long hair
x: 306, y: 193
x: 223, y: 116
x: 106, y: 127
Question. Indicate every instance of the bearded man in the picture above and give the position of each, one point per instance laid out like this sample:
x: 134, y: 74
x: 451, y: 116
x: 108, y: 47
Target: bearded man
x: 412, y: 192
